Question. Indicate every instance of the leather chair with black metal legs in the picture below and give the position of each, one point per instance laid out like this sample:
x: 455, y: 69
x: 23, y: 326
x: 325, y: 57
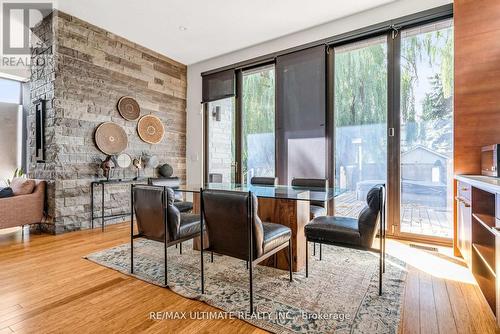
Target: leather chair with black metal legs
x: 316, y: 208
x: 159, y: 219
x: 174, y: 183
x: 234, y: 229
x: 179, y: 202
x: 264, y: 181
x: 351, y: 232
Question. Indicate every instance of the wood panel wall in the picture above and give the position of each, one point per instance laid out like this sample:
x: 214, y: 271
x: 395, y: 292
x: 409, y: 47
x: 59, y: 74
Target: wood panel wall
x: 477, y: 82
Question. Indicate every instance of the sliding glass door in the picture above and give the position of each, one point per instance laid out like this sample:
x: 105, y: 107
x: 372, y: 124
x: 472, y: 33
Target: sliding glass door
x: 378, y: 111
x: 258, y: 123
x: 426, y: 130
x: 220, y: 117
x: 393, y: 123
x: 360, y: 109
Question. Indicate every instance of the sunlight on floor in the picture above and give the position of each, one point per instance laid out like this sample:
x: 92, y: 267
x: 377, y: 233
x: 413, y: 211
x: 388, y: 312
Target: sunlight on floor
x: 8, y: 235
x: 439, y: 264
x: 10, y: 230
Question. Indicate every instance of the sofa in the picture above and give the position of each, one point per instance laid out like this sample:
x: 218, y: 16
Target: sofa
x: 23, y: 210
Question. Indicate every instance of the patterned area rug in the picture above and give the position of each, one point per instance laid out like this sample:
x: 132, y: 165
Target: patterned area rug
x: 339, y: 296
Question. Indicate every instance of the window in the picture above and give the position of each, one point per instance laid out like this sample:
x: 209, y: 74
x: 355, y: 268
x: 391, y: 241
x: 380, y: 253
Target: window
x: 11, y: 128
x: 392, y: 122
x: 10, y: 91
x: 258, y: 123
x: 360, y: 91
x: 426, y: 118
x: 221, y: 145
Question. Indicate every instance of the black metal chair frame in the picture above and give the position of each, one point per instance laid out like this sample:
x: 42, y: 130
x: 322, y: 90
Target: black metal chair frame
x: 165, y: 223
x: 250, y: 263
x: 381, y: 250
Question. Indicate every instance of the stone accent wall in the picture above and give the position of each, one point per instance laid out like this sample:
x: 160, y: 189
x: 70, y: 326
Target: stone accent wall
x: 92, y: 69
x: 42, y: 82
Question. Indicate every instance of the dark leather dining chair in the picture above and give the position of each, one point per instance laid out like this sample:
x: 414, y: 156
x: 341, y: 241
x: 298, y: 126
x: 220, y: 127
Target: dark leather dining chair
x: 351, y: 232
x: 235, y: 229
x: 215, y: 178
x: 174, y: 183
x: 158, y: 219
x: 264, y: 181
x: 316, y: 208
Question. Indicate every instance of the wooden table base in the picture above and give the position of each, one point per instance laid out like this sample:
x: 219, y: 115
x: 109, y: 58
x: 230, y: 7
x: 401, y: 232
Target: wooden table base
x: 291, y: 213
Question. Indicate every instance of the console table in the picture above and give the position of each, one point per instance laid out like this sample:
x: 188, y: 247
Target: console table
x: 103, y: 183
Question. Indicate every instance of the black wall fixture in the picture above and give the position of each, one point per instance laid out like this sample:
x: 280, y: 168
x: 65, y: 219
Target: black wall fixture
x: 40, y: 130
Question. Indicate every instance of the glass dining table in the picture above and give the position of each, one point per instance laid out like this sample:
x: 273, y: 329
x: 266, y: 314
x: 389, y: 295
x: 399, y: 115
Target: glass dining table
x: 286, y: 205
x: 264, y: 191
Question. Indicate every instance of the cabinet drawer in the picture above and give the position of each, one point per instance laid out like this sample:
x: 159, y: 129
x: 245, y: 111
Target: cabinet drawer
x: 464, y: 190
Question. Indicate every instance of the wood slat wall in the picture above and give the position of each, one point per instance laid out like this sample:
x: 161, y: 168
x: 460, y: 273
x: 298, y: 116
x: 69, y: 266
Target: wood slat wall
x: 477, y: 82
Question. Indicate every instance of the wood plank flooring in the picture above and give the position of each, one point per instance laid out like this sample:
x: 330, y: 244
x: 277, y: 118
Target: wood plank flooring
x: 46, y: 287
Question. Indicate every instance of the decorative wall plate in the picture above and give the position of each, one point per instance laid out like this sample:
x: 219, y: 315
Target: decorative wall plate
x: 129, y: 108
x: 150, y: 129
x: 110, y: 138
x: 124, y: 160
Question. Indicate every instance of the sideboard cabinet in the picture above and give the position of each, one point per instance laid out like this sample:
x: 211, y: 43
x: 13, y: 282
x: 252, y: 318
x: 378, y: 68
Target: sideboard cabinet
x: 478, y: 232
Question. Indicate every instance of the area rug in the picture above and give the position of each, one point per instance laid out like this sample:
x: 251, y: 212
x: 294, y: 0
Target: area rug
x: 339, y: 296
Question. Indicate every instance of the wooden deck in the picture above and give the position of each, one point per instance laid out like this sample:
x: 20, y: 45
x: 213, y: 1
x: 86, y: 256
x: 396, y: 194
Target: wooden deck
x: 416, y: 219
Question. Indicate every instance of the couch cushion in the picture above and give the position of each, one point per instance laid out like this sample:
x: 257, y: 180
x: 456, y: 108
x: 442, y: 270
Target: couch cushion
x: 6, y: 192
x: 22, y: 186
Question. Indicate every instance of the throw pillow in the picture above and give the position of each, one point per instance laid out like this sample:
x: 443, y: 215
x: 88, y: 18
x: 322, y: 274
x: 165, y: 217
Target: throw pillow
x: 6, y: 192
x: 22, y: 186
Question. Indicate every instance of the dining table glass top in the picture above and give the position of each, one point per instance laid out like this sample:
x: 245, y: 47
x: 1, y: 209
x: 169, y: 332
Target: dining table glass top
x: 277, y: 192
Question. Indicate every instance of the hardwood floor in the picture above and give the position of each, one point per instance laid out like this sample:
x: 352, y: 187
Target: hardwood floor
x: 47, y: 287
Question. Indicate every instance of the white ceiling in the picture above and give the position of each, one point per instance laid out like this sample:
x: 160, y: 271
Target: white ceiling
x: 214, y: 27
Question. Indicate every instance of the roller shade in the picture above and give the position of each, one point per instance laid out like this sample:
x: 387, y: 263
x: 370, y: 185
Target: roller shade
x: 301, y: 110
x: 218, y: 86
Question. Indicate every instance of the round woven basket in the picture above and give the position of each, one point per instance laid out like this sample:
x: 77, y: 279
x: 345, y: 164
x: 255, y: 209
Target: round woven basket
x: 129, y: 108
x: 150, y: 129
x: 110, y: 138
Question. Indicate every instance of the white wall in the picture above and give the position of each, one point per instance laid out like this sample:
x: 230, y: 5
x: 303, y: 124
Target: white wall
x: 194, y: 116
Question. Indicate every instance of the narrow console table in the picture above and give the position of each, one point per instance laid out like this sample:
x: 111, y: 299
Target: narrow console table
x: 478, y: 233
x: 103, y: 183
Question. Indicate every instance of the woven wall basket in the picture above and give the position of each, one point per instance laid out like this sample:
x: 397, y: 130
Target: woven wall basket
x: 110, y: 138
x: 150, y: 129
x: 129, y: 108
